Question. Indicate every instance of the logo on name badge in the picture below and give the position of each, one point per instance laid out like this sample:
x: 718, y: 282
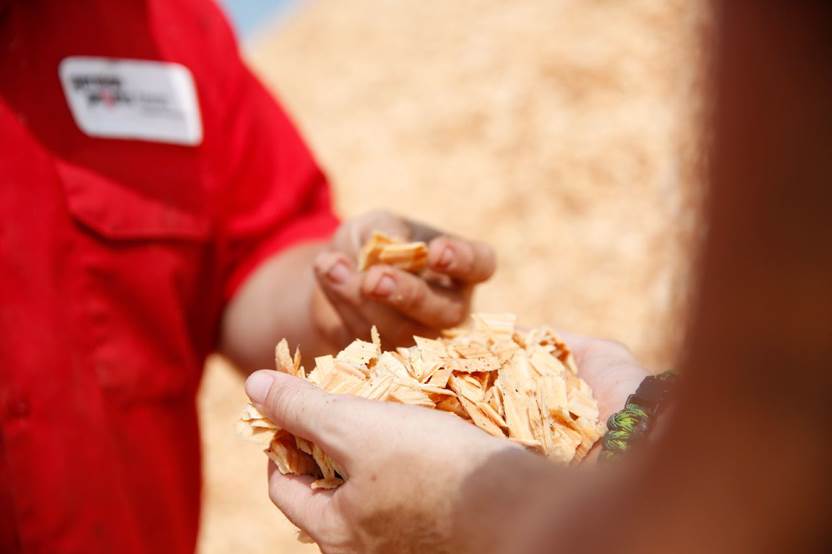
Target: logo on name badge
x: 132, y: 99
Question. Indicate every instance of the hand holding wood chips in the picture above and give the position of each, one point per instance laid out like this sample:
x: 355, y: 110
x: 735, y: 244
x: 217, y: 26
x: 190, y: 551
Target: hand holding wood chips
x: 522, y: 386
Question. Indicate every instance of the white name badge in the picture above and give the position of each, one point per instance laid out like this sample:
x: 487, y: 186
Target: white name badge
x: 132, y: 99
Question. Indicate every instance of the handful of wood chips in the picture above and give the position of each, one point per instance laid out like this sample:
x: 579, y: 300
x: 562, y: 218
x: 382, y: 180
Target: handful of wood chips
x: 520, y: 385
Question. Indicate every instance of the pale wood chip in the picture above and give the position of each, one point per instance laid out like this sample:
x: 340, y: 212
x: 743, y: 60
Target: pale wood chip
x: 414, y: 363
x: 566, y: 441
x: 581, y: 402
x: 375, y: 338
x: 432, y: 389
x: 349, y: 370
x: 303, y: 445
x: 250, y: 413
x: 552, y: 396
x: 501, y: 324
x: 432, y: 351
x: 519, y: 340
x: 494, y: 397
x: 288, y: 459
x: 255, y: 427
x: 324, y: 371
x: 469, y: 388
x: 517, y: 389
x: 439, y: 376
x: 544, y: 363
x: 346, y: 385
x: 490, y: 363
x: 390, y: 363
x: 371, y: 249
x: 516, y: 412
x: 452, y: 404
x: 591, y: 431
x: 472, y: 350
x: 323, y: 461
x: 283, y: 360
x: 377, y: 387
x: 480, y: 419
x: 384, y: 249
x: 409, y: 256
x: 492, y: 414
x: 360, y: 354
x: 327, y: 484
x: 296, y: 360
x: 258, y: 435
x: 538, y: 427
x: 407, y: 393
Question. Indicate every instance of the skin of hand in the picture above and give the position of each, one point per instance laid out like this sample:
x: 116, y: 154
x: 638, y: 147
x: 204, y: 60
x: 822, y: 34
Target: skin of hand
x: 609, y: 368
x: 409, y: 468
x: 313, y: 295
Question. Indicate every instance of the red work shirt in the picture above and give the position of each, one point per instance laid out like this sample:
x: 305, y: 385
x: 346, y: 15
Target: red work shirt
x: 117, y: 257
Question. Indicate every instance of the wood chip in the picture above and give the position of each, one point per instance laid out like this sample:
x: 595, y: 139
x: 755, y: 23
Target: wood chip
x: 384, y: 249
x: 327, y: 484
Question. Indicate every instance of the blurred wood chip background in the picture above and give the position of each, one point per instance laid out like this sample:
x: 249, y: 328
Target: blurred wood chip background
x: 567, y: 133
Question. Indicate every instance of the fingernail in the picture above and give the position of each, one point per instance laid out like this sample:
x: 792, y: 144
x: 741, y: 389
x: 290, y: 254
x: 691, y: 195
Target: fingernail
x: 258, y: 385
x: 446, y: 258
x: 385, y: 286
x: 338, y: 273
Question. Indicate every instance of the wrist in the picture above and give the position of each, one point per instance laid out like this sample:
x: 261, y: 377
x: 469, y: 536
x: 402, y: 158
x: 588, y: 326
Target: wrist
x: 498, y: 500
x: 638, y: 420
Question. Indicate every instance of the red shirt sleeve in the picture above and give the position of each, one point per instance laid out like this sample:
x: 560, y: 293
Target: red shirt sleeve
x: 277, y: 196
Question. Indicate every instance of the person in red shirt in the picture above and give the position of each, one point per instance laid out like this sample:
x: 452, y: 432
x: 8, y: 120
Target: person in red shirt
x: 158, y: 206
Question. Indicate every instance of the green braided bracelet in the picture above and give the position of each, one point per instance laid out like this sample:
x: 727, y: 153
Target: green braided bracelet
x: 635, y: 421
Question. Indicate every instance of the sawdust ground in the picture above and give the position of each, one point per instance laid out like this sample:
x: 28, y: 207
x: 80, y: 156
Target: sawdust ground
x: 565, y: 133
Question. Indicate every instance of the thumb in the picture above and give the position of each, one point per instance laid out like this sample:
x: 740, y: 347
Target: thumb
x: 301, y: 408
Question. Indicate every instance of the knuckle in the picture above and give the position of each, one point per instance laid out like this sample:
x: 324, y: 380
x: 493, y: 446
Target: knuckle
x: 412, y: 296
x: 615, y: 348
x: 489, y: 261
x: 455, y: 314
x: 442, y: 241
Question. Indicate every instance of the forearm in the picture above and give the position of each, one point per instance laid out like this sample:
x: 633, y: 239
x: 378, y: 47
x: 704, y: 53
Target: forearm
x: 277, y: 301
x: 744, y: 466
x: 505, y: 501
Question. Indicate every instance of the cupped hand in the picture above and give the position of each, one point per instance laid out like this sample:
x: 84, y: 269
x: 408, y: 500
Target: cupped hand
x: 405, y: 467
x: 609, y: 368
x: 399, y: 303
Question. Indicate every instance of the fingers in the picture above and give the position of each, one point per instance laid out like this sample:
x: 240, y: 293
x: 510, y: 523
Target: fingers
x: 343, y: 287
x: 303, y: 506
x: 467, y: 261
x: 434, y: 307
x: 302, y: 409
x: 340, y: 284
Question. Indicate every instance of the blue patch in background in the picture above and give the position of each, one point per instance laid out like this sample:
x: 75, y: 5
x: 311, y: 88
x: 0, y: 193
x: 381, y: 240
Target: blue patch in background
x: 247, y: 16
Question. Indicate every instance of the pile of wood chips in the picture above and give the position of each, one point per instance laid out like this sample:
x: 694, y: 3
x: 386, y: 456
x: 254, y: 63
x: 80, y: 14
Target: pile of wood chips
x: 521, y: 385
